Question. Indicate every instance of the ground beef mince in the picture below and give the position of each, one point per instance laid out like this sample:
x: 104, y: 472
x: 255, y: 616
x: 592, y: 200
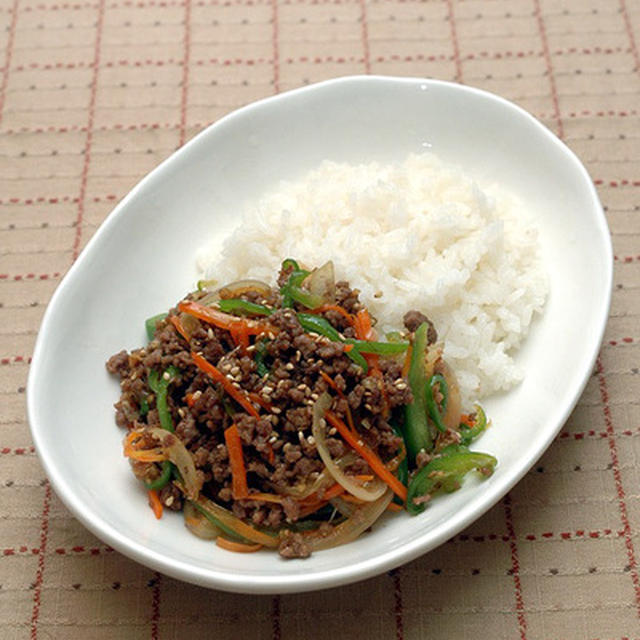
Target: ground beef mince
x: 284, y: 372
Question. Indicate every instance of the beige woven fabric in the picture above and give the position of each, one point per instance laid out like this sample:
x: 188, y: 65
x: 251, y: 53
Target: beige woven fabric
x: 93, y: 94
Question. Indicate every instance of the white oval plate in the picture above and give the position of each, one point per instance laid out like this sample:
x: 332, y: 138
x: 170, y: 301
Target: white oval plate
x: 141, y: 261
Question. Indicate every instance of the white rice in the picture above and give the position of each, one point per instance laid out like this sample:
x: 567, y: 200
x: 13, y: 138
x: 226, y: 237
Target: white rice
x: 417, y: 235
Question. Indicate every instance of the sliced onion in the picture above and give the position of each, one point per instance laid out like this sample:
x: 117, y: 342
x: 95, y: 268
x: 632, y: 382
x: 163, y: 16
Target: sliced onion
x: 232, y: 290
x: 175, y: 451
x: 361, y: 519
x: 368, y: 491
x: 198, y: 524
x: 451, y: 417
x: 322, y: 282
x: 345, y: 508
x: 302, y: 491
x: 235, y: 525
x: 240, y: 287
x: 189, y: 324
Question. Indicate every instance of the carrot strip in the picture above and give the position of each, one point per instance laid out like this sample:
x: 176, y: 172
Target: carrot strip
x: 407, y: 362
x: 239, y: 488
x: 347, y: 497
x: 394, y: 506
x: 465, y: 418
x: 217, y: 376
x: 332, y: 383
x: 364, y: 477
x: 376, y: 465
x: 266, y: 497
x: 333, y: 491
x: 190, y: 400
x: 149, y: 455
x: 175, y: 321
x: 335, y: 307
x: 154, y: 503
x: 363, y: 326
x: 237, y: 547
x: 225, y: 320
x: 257, y: 398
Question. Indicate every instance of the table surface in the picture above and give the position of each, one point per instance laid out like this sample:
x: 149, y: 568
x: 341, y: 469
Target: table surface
x: 94, y: 94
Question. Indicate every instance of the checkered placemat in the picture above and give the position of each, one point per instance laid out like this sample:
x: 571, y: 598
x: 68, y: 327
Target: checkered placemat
x: 94, y: 94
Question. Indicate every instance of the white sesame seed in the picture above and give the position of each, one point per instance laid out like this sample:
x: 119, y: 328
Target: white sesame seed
x: 300, y: 435
x: 273, y: 438
x: 311, y: 440
x: 166, y: 376
x: 301, y: 387
x: 169, y: 501
x: 181, y: 412
x: 276, y: 410
x: 251, y: 347
x: 401, y: 385
x: 298, y: 356
x: 197, y: 394
x: 314, y: 396
x: 267, y: 390
x: 234, y: 371
x: 289, y: 366
x: 333, y: 431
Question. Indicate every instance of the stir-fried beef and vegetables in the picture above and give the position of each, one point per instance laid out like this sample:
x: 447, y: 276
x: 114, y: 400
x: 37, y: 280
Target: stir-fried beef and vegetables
x: 277, y: 417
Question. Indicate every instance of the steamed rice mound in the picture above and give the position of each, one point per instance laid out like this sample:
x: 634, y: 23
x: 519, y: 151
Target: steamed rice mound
x: 416, y: 235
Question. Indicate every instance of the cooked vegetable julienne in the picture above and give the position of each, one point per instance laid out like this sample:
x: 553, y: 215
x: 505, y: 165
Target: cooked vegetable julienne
x: 275, y: 417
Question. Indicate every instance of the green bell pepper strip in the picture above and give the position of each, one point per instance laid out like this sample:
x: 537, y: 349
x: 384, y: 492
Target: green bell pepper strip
x: 320, y: 325
x: 160, y: 386
x: 432, y: 405
x: 444, y: 474
x: 226, y: 530
x: 467, y: 433
x: 163, y: 479
x: 379, y: 348
x: 144, y: 407
x: 150, y: 324
x: 261, y: 353
x: 232, y: 305
x: 296, y: 277
x: 417, y: 435
x: 402, y: 472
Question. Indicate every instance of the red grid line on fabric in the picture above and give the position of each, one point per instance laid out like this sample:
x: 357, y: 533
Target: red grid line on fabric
x: 89, y: 139
x: 275, y: 51
x: 545, y: 536
x: 617, y: 476
x: 276, y: 632
x: 55, y: 200
x: 8, y: 54
x: 15, y: 359
x: 482, y: 55
x: 629, y: 30
x: 623, y: 182
x: 185, y: 71
x: 626, y: 259
x: 155, y: 605
x: 454, y: 41
x: 547, y: 58
x: 44, y: 534
x: 515, y: 567
x: 398, y: 607
x: 200, y: 125
x: 17, y: 451
x: 364, y: 32
x: 18, y: 277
